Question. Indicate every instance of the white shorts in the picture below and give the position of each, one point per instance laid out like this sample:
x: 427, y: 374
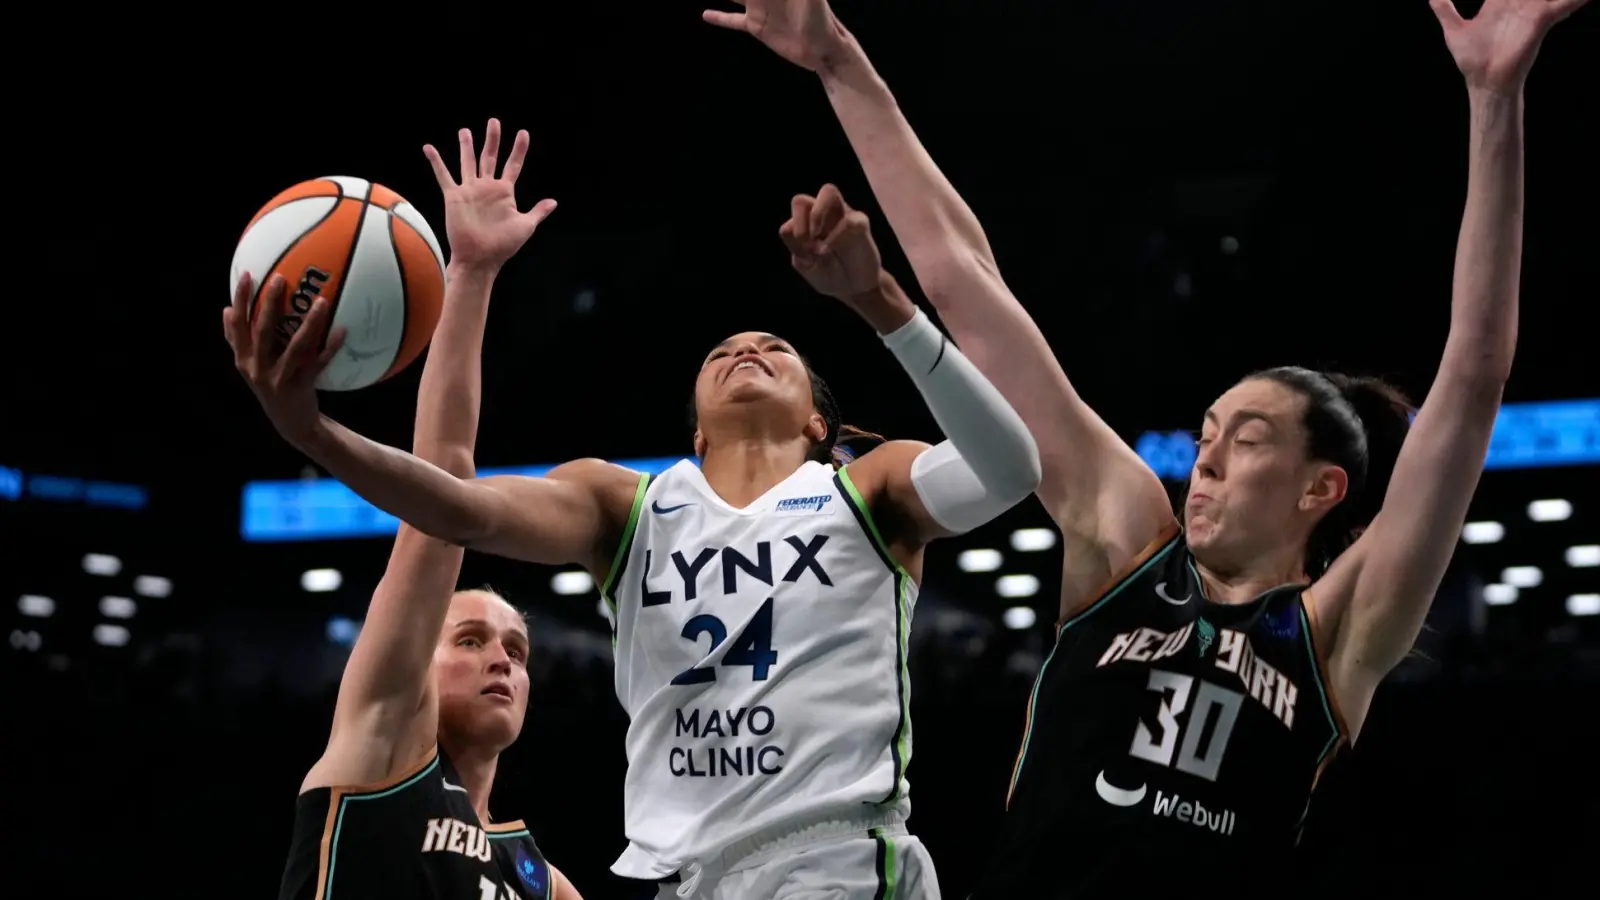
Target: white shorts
x: 862, y: 858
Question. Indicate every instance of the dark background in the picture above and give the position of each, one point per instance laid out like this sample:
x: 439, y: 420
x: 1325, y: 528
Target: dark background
x: 1108, y: 147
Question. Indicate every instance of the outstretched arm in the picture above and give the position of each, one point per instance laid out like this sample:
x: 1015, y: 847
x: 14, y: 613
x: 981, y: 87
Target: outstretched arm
x: 382, y: 694
x: 560, y: 518
x: 1107, y: 502
x: 990, y: 462
x: 1374, y: 598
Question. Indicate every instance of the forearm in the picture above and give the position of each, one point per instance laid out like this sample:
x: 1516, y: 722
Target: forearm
x: 930, y: 219
x: 950, y: 255
x: 451, y: 391
x: 1488, y: 266
x: 428, y: 498
x: 984, y: 429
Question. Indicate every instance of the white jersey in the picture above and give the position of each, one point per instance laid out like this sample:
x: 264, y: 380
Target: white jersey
x: 761, y: 656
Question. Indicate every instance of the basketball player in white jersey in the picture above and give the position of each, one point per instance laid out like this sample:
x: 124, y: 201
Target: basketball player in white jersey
x: 436, y: 685
x: 762, y: 599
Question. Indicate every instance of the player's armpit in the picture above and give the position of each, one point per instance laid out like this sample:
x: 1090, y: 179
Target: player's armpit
x: 563, y: 887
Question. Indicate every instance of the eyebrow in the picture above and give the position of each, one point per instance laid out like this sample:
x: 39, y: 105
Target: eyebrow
x: 1247, y: 414
x: 484, y: 624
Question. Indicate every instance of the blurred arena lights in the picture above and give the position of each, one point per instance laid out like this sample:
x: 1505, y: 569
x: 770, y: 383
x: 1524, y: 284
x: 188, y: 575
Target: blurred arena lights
x: 571, y: 584
x: 1032, y: 540
x: 1016, y: 586
x: 1483, y: 532
x: 1529, y: 554
x: 979, y: 560
x: 152, y: 586
x: 1522, y: 577
x: 1020, y: 618
x: 1499, y: 594
x: 343, y: 631
x: 108, y: 635
x: 318, y: 581
x: 102, y: 564
x: 1549, y: 510
x: 118, y: 607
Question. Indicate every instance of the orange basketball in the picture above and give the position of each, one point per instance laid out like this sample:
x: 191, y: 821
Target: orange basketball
x: 365, y: 249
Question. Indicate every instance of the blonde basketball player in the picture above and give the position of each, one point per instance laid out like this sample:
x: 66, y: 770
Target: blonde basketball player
x: 437, y: 684
x: 762, y: 600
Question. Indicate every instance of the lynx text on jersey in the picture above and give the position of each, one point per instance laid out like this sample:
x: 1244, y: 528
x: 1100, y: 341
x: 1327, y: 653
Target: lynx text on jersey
x: 746, y: 755
x: 802, y: 559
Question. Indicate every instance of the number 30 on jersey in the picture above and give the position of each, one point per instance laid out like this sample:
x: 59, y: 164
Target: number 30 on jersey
x: 753, y: 646
x: 1163, y: 749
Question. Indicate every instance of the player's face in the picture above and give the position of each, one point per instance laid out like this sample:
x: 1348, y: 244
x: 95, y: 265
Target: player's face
x: 1252, y: 488
x: 754, y: 370
x: 481, y: 666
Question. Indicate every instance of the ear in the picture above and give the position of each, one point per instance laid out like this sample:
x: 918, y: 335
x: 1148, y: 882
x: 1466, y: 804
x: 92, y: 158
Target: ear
x: 1328, y: 486
x: 816, y: 429
x: 699, y: 444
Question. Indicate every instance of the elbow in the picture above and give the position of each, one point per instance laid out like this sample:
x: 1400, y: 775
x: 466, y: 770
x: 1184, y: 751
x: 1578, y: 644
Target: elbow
x: 1480, y: 357
x: 1023, y: 475
x: 1011, y: 480
x: 1032, y: 470
x: 949, y: 271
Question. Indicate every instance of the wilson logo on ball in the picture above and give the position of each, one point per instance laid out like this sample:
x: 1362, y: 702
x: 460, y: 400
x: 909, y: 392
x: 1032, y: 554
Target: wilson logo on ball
x: 364, y: 249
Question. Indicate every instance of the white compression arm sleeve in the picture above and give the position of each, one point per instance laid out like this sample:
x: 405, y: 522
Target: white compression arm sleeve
x: 990, y: 462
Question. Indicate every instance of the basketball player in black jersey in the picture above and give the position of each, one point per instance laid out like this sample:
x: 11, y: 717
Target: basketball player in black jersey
x: 437, y: 685
x: 1205, y: 672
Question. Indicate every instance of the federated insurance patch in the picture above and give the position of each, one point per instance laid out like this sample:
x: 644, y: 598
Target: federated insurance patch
x: 803, y: 506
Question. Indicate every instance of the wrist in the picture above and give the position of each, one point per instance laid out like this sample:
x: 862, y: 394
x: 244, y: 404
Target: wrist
x: 1492, y: 99
x: 884, y: 306
x: 473, y: 271
x: 917, y: 343
x: 841, y: 59
x: 313, y: 439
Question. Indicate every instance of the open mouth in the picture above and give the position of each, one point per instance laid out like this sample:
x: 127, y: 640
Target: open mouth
x: 750, y: 363
x: 498, y: 690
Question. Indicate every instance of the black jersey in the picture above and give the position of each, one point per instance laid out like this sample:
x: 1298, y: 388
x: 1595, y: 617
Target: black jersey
x: 1167, y: 737
x: 412, y: 838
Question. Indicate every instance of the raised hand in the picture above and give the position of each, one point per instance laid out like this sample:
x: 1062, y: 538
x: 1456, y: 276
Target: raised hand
x: 481, y: 219
x: 802, y: 31
x: 831, y: 245
x: 280, y: 357
x: 1495, y: 49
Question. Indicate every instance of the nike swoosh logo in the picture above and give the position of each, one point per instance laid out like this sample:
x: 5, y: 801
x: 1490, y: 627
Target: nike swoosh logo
x: 456, y: 787
x: 1161, y: 591
x: 660, y: 510
x: 1114, y: 795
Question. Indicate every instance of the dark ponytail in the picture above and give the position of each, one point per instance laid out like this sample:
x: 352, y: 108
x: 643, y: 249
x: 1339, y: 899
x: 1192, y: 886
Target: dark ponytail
x: 841, y: 444
x: 1358, y: 424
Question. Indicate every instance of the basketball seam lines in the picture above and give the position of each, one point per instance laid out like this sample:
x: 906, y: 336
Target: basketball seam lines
x: 355, y: 241
x: 255, y: 289
x: 405, y: 308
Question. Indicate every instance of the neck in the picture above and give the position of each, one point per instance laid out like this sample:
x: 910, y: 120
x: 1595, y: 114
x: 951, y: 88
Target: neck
x: 1232, y: 585
x: 476, y: 769
x: 742, y: 470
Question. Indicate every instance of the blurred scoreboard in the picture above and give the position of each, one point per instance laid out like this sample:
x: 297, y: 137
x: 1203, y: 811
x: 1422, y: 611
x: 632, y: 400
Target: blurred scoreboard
x: 1526, y: 435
